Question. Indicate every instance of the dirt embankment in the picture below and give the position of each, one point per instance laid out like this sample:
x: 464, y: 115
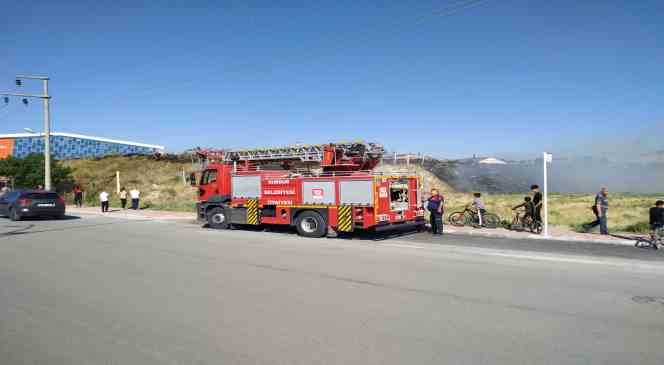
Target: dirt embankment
x: 159, y: 181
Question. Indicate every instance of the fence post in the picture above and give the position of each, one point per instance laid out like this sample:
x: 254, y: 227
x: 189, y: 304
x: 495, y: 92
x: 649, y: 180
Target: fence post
x: 117, y: 182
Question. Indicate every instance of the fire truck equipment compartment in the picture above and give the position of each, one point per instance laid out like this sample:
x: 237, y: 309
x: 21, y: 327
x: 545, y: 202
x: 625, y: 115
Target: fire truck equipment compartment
x: 246, y: 186
x: 357, y: 192
x: 318, y: 192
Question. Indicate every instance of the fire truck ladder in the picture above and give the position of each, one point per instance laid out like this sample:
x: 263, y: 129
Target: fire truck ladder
x: 348, y: 156
x: 304, y: 153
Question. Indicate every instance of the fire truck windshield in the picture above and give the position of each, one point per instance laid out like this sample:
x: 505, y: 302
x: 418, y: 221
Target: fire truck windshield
x: 209, y: 176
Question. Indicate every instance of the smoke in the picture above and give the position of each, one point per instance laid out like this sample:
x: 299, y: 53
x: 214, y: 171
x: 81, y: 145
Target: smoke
x: 624, y: 164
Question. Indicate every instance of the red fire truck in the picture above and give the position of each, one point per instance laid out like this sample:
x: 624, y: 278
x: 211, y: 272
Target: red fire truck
x: 318, y: 189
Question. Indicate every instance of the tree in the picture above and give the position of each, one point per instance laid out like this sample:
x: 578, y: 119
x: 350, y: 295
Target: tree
x: 28, y: 172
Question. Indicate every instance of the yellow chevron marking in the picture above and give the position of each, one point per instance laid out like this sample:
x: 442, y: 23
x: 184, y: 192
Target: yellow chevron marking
x: 345, y: 218
x: 252, y: 211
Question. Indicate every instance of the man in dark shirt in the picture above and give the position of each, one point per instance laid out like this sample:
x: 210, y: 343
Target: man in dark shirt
x: 537, y: 202
x: 435, y: 205
x: 657, y: 215
x: 600, y: 209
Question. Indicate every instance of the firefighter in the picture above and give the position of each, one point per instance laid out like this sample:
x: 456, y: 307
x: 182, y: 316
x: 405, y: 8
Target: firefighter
x: 435, y: 206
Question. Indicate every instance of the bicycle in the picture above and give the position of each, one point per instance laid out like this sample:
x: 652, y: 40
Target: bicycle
x: 469, y: 217
x: 655, y: 240
x: 521, y: 223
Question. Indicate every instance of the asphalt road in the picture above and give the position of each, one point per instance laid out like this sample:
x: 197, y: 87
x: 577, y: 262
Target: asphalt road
x: 110, y: 291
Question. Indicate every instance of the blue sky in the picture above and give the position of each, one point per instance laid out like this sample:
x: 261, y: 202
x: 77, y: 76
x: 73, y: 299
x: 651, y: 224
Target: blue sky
x: 510, y: 76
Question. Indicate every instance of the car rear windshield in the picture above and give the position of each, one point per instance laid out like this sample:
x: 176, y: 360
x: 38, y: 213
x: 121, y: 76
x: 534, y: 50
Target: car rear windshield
x: 52, y: 196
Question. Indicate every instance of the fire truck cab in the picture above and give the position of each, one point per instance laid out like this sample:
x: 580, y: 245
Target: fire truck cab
x: 340, y: 194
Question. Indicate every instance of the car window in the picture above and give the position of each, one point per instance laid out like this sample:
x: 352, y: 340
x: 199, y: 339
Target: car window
x: 41, y: 196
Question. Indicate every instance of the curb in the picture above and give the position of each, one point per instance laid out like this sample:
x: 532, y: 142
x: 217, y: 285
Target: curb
x: 539, y: 237
x: 128, y: 215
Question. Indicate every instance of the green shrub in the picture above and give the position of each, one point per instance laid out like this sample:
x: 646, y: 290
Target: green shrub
x: 28, y: 172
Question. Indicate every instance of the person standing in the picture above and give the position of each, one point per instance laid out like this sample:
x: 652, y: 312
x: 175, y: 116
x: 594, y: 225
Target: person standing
x: 435, y: 206
x: 478, y: 203
x: 123, y: 197
x: 600, y: 209
x: 135, y: 196
x: 78, y: 196
x: 657, y: 215
x: 537, y: 202
x: 103, y: 198
x: 656, y: 224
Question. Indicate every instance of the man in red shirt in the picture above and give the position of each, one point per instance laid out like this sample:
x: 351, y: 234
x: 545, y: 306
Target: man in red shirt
x: 78, y: 195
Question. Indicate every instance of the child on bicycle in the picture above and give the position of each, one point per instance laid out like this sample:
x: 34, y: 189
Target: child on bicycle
x: 478, y: 204
x: 528, y: 210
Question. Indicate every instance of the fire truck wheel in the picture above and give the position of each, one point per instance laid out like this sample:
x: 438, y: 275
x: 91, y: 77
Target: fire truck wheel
x: 218, y: 218
x: 310, y: 224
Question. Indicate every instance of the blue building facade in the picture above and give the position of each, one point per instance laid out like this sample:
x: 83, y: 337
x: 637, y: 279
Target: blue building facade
x: 65, y: 146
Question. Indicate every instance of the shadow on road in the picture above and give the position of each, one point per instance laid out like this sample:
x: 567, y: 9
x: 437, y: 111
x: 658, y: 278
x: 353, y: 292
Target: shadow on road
x: 628, y: 237
x: 65, y: 218
x: 18, y: 230
x: 359, y: 235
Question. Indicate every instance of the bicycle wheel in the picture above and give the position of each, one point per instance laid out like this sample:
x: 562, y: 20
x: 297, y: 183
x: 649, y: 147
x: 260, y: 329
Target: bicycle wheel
x: 457, y: 219
x: 536, y: 227
x: 643, y: 243
x: 491, y: 220
x: 473, y: 220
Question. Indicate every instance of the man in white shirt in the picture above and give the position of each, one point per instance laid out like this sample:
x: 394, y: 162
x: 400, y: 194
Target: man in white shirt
x: 103, y: 198
x: 135, y: 195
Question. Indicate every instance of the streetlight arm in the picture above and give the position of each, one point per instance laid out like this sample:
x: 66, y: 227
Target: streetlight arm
x: 26, y: 95
x: 32, y: 77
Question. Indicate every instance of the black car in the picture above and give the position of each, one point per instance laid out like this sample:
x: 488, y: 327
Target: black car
x: 31, y: 203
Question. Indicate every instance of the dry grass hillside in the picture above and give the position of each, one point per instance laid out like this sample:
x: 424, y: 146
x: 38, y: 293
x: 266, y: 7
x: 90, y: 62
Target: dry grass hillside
x: 162, y: 187
x: 160, y: 181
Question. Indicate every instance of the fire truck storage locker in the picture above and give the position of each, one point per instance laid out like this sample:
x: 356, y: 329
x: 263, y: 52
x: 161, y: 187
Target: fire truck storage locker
x: 248, y: 187
x: 318, y: 192
x: 356, y: 192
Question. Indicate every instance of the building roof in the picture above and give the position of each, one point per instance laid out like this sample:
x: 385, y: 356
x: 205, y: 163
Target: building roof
x: 492, y: 161
x: 81, y: 136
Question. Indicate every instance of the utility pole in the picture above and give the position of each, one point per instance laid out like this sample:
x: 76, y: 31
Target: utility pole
x: 546, y: 159
x: 47, y: 121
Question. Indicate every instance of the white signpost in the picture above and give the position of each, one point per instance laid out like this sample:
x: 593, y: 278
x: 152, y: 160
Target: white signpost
x: 547, y: 159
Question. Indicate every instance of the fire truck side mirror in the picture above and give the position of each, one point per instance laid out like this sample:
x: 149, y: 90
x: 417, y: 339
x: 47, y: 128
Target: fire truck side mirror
x: 192, y: 179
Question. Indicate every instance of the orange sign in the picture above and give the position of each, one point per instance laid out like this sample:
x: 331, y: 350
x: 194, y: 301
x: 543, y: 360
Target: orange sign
x: 6, y: 147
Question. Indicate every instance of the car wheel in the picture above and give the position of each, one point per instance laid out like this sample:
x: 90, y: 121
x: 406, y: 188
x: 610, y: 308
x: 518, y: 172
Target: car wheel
x: 13, y: 215
x: 310, y: 224
x: 218, y: 218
